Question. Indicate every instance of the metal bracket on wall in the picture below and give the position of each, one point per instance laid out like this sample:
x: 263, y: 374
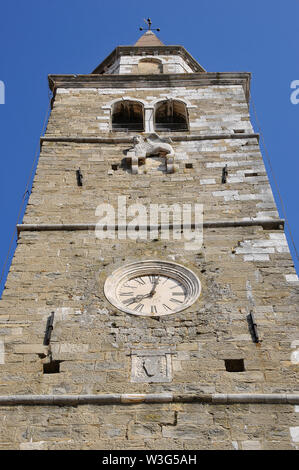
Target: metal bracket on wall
x: 253, y: 327
x: 49, y: 329
x: 79, y: 177
x: 224, y: 174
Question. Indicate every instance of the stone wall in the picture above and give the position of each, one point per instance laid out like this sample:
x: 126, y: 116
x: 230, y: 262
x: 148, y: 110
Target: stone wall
x: 94, y: 342
x: 93, y: 337
x: 57, y: 198
x: 243, y: 269
x: 176, y: 427
x: 215, y: 109
x: 129, y: 64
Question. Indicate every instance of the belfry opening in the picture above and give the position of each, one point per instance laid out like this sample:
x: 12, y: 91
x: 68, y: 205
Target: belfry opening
x: 127, y: 116
x: 171, y: 115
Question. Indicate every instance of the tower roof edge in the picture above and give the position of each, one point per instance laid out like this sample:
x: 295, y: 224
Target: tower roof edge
x: 144, y: 50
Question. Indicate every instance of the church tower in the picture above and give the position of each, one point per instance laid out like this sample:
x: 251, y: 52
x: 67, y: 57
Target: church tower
x: 152, y: 301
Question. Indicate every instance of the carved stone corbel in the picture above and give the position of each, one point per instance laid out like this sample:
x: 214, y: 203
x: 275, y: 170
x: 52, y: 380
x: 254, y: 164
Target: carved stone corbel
x: 149, y: 146
x: 132, y: 161
x: 170, y: 168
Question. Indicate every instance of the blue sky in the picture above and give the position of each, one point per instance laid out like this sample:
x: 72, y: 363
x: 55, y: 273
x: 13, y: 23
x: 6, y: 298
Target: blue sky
x: 39, y: 37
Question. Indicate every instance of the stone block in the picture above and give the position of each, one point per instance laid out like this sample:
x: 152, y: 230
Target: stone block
x: 31, y: 349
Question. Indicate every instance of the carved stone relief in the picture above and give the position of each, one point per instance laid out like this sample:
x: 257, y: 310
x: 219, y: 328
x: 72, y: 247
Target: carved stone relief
x: 150, y: 146
x: 151, y: 366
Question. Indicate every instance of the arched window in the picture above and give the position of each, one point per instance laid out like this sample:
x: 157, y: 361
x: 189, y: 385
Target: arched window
x: 171, y: 115
x: 127, y: 116
x: 149, y: 65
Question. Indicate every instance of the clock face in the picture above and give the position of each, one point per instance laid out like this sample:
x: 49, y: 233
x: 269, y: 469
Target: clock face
x: 152, y: 288
x: 151, y: 293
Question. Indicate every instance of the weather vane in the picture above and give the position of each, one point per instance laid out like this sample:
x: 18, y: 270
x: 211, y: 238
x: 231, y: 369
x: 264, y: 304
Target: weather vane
x: 149, y: 26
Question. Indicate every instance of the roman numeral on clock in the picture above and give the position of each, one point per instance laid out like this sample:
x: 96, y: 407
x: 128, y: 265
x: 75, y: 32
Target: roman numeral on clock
x: 166, y: 307
x: 139, y: 308
x: 176, y: 301
x: 128, y: 286
x: 153, y: 309
x: 129, y: 301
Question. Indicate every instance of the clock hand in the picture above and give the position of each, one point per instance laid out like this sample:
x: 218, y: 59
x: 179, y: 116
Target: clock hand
x: 153, y: 291
x: 135, y: 299
x: 146, y: 296
x: 131, y: 301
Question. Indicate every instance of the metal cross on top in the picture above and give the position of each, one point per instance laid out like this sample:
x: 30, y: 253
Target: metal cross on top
x: 149, y: 24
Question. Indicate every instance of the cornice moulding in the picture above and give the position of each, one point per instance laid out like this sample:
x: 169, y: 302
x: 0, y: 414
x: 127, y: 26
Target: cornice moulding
x: 127, y: 139
x: 152, y: 81
x: 267, y: 224
x: 136, y: 398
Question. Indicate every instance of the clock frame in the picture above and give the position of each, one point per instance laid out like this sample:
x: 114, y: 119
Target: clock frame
x: 152, y: 288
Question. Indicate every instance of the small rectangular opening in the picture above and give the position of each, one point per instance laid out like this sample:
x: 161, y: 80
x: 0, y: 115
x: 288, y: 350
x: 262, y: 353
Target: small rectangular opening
x: 239, y: 131
x: 114, y: 166
x: 234, y: 365
x: 188, y: 165
x: 52, y: 367
x: 248, y: 175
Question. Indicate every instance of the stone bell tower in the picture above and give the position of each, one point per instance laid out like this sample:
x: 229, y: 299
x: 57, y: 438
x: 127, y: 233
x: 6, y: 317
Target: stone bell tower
x: 119, y: 331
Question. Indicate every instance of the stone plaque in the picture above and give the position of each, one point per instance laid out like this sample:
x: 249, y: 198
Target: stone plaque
x: 151, y: 366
